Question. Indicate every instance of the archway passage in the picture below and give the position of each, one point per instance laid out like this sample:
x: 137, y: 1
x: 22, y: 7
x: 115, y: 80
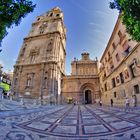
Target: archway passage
x: 88, y: 97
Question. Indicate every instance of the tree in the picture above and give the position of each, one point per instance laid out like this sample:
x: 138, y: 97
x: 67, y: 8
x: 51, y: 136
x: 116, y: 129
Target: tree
x: 11, y: 13
x: 130, y: 14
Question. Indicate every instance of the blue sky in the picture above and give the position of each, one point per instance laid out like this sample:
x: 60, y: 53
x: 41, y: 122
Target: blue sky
x: 89, y: 26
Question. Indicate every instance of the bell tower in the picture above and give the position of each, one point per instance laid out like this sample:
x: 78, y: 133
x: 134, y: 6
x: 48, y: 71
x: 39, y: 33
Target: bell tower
x: 41, y: 62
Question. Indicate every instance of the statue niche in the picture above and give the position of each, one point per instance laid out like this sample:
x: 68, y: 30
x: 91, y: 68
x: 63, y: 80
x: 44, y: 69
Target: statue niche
x: 49, y: 48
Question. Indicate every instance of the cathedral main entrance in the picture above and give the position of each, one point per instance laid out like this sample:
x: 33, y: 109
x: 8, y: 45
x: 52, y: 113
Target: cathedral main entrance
x: 88, y: 97
x: 86, y: 93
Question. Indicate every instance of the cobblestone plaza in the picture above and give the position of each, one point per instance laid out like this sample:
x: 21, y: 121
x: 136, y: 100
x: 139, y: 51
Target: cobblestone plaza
x: 69, y: 122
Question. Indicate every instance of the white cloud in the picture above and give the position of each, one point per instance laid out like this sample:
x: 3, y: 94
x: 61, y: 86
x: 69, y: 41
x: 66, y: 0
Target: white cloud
x: 78, y: 5
x: 101, y: 13
x: 95, y: 25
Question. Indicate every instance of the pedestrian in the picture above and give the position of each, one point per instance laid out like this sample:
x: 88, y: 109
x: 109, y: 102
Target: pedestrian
x: 135, y: 100
x: 111, y: 102
x: 100, y: 102
x: 126, y: 104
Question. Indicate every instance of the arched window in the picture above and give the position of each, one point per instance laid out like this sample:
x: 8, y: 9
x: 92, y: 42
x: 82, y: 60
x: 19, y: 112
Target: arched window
x: 57, y: 15
x: 51, y: 14
x: 32, y: 57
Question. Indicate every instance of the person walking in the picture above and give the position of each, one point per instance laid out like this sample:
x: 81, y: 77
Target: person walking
x: 100, y: 102
x: 111, y: 102
x: 133, y: 102
x: 126, y: 104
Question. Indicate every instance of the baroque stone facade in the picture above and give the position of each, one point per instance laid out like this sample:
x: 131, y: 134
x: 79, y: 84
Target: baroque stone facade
x: 41, y: 61
x: 82, y: 86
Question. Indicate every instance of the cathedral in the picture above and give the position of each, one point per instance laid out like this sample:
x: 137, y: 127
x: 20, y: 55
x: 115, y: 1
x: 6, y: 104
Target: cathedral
x: 39, y: 72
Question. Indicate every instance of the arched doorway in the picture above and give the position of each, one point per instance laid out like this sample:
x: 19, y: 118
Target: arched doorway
x: 88, y: 97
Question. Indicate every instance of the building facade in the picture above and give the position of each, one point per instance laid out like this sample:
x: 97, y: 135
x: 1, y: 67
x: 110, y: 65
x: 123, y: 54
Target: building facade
x: 41, y: 61
x: 82, y: 86
x: 39, y: 71
x: 119, y: 71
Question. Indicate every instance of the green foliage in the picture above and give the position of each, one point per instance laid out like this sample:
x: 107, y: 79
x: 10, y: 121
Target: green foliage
x: 5, y: 86
x: 130, y: 12
x: 11, y: 12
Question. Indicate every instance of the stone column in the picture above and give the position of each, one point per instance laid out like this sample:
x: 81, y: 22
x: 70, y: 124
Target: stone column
x: 56, y: 45
x: 51, y: 83
x: 18, y: 82
x: 53, y: 80
x: 41, y: 82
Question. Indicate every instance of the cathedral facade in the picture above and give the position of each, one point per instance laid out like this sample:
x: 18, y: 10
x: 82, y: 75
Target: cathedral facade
x: 82, y: 86
x: 39, y: 71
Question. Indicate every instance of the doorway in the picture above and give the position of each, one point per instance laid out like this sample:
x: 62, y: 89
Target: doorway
x: 88, y: 98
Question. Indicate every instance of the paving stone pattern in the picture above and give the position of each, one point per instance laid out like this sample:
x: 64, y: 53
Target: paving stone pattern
x: 79, y: 122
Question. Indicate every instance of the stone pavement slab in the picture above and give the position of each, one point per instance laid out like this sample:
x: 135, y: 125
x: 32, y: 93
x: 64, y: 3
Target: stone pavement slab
x: 68, y: 122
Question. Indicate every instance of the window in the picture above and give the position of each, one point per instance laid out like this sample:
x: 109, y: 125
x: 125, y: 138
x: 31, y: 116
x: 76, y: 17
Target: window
x: 108, y: 55
x: 32, y: 57
x: 120, y: 36
x: 115, y: 94
x: 51, y: 14
x: 117, y: 79
x: 111, y: 64
x: 104, y: 74
x: 105, y: 86
x: 45, y: 82
x: 114, y: 46
x: 117, y: 57
x: 113, y: 82
x: 57, y: 15
x: 123, y: 93
x: 136, y: 89
x: 126, y: 73
x: 121, y: 77
x: 126, y: 48
x: 132, y: 70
